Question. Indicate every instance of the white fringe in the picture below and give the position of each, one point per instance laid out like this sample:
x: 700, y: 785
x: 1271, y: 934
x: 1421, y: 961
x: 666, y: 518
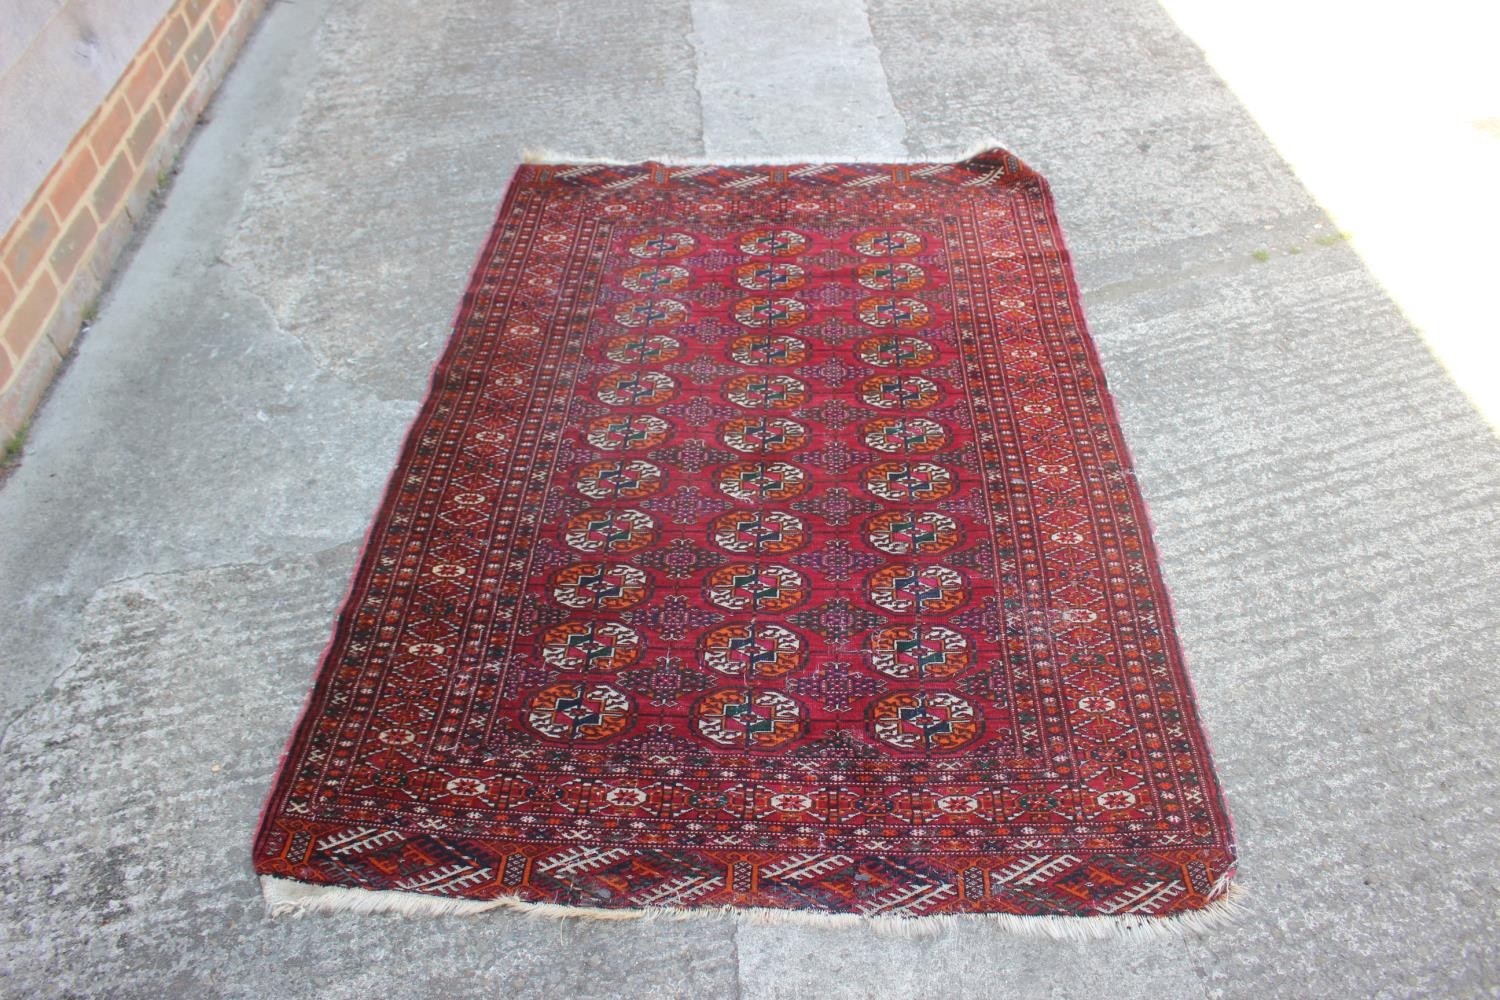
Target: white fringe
x: 287, y: 897
x: 552, y: 157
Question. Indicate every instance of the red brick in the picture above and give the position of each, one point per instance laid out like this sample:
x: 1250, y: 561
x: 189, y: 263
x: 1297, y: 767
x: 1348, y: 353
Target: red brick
x: 73, y: 182
x: 144, y: 134
x: 25, y: 325
x: 223, y: 14
x: 199, y: 48
x: 143, y: 80
x: 7, y: 368
x: 29, y: 244
x: 74, y: 245
x: 113, y: 185
x: 172, y: 37
x: 7, y: 294
x: 194, y: 9
x: 109, y: 129
x: 172, y: 88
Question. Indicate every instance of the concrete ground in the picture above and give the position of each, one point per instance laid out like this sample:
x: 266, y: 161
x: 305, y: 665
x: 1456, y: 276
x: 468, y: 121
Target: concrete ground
x: 188, y: 512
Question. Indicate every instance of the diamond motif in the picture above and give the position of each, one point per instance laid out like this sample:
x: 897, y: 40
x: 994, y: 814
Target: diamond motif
x: 672, y: 617
x: 681, y: 559
x: 835, y: 457
x: 687, y: 505
x: 665, y: 682
x: 837, y: 619
x: 837, y: 506
x: 697, y: 412
x: 836, y: 413
x: 838, y: 560
x: 694, y: 454
x: 831, y: 371
x: 835, y: 686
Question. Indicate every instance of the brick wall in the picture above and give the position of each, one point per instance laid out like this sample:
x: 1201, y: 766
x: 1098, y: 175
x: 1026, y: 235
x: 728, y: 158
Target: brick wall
x: 57, y: 256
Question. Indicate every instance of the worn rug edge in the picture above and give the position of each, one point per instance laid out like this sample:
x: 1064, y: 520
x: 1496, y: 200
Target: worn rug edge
x: 290, y: 898
x: 546, y: 156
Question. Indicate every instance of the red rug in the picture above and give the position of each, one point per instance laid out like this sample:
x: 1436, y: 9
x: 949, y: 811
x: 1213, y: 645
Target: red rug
x: 766, y: 540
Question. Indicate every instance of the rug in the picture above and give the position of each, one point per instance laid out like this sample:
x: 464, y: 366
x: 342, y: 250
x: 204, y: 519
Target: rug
x: 767, y: 542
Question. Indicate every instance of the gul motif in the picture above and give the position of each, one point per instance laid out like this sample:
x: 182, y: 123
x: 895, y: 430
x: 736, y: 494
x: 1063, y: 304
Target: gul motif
x: 592, y: 646
x: 656, y: 279
x: 762, y: 481
x: 913, y: 532
x: 643, y: 349
x: 890, y: 276
x: 900, y: 391
x: 652, y: 313
x: 919, y: 652
x: 662, y: 245
x: 773, y: 243
x: 613, y: 479
x: 909, y: 482
x: 749, y: 719
x: 761, y: 312
x: 600, y: 586
x: 751, y: 587
x: 749, y: 650
x: 636, y: 388
x: 760, y: 531
x: 764, y: 391
x: 768, y: 350
x: 584, y: 712
x: 770, y: 276
x: 610, y: 531
x: 934, y: 722
x: 882, y: 311
x: 763, y: 435
x: 636, y: 432
x: 905, y: 435
x: 888, y: 243
x: 909, y: 588
x: 890, y: 351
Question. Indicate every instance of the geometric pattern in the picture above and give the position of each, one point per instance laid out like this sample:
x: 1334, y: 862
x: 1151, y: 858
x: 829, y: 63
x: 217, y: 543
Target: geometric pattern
x: 766, y: 539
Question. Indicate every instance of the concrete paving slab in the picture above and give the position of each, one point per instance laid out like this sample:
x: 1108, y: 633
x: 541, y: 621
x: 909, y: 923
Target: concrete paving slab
x: 189, y: 511
x: 404, y: 140
x: 790, y: 78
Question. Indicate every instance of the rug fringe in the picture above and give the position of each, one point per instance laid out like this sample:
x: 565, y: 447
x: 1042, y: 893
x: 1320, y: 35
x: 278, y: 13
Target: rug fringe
x: 544, y: 155
x: 287, y: 897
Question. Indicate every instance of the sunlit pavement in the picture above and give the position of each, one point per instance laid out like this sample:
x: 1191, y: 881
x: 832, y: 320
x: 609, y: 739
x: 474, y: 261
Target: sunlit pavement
x: 1390, y: 115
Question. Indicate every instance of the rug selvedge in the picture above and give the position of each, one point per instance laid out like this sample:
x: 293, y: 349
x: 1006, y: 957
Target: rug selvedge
x: 766, y: 542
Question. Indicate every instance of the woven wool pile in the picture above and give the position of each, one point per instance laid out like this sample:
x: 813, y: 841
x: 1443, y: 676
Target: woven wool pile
x: 767, y: 541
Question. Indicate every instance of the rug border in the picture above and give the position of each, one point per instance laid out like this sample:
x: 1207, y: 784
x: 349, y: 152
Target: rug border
x: 541, y: 156
x: 322, y: 677
x: 286, y: 897
x: 1138, y: 502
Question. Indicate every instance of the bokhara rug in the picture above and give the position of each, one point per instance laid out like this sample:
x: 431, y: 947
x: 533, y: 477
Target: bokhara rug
x: 767, y: 540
